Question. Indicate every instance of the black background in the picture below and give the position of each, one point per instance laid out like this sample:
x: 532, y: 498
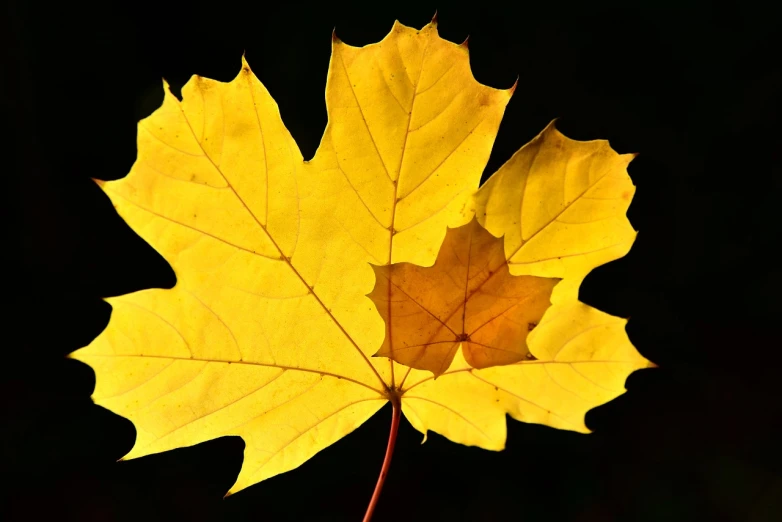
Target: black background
x: 695, y: 89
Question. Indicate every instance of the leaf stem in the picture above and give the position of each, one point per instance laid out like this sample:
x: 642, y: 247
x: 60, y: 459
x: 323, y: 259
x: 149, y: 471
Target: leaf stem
x: 396, y: 416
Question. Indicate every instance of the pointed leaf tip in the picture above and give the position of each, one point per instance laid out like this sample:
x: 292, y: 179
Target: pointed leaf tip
x: 98, y: 182
x: 434, y: 19
x: 513, y: 87
x: 630, y: 156
x: 552, y: 126
x: 334, y: 38
x: 466, y: 43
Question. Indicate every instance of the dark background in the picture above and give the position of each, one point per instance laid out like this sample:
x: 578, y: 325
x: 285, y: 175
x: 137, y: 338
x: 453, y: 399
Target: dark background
x: 696, y: 90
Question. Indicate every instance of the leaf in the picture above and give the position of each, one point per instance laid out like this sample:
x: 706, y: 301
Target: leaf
x: 468, y: 299
x: 561, y: 206
x: 269, y: 334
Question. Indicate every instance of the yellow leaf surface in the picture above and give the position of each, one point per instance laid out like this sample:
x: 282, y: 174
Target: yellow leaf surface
x: 468, y: 298
x: 583, y: 358
x: 269, y: 332
x: 561, y: 206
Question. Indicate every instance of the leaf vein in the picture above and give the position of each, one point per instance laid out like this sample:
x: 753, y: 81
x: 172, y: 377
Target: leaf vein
x: 290, y: 264
x: 321, y: 421
x: 446, y: 407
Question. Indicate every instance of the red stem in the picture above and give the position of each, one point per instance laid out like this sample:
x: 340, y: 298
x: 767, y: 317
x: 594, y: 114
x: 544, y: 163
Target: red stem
x: 396, y: 415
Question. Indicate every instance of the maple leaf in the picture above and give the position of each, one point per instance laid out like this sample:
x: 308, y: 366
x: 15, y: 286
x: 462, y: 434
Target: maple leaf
x: 269, y: 332
x: 468, y: 299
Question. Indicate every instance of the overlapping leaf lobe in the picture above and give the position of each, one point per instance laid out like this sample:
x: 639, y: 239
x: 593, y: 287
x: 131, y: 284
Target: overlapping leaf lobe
x: 468, y: 298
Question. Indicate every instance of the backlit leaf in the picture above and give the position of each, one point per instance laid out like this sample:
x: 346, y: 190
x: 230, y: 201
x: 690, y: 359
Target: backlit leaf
x: 269, y: 333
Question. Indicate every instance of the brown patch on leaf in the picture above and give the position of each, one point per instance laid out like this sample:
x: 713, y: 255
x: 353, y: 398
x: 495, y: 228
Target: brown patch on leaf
x: 468, y: 298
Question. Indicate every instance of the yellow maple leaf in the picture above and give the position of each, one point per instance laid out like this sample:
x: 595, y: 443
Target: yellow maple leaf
x: 269, y: 332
